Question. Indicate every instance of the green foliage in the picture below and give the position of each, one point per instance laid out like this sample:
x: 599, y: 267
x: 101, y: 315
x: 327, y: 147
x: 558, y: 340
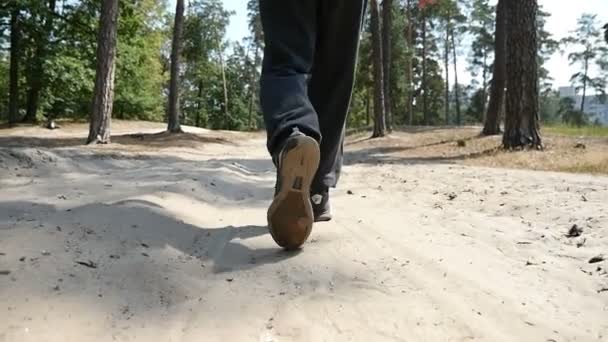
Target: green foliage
x: 202, y: 83
x: 144, y: 40
x: 549, y: 107
x: 361, y: 107
x: 434, y: 89
x: 569, y: 115
x: 481, y: 28
x: 362, y: 101
x: 255, y: 22
x: 547, y: 47
x: 139, y: 71
x: 69, y: 58
x: 72, y: 87
x: 590, y: 49
x: 476, y: 109
x: 399, y: 52
x: 3, y: 88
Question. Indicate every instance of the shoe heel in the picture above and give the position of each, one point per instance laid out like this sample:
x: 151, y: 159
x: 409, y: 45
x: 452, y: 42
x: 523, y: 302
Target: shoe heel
x: 290, y: 216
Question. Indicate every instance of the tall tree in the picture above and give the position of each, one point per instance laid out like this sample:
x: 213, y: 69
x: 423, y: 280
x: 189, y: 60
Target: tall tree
x: 499, y: 78
x: 173, y: 114
x: 387, y: 26
x: 36, y: 77
x: 379, y: 110
x: 590, y: 48
x: 103, y: 94
x: 140, y: 76
x: 482, y: 24
x: 424, y: 86
x: 447, y: 17
x: 456, y: 85
x: 204, y: 68
x: 257, y: 44
x: 13, y: 105
x: 521, y: 122
x: 220, y: 50
x: 428, y: 68
x: 409, y: 72
x: 448, y: 11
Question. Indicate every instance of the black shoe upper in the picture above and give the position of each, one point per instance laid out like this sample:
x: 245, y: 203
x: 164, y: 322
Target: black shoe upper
x: 320, y: 205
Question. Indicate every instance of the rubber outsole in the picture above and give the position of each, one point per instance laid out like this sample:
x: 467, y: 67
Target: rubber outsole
x: 290, y: 216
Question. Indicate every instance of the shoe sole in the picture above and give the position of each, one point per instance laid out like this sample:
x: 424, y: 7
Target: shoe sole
x: 324, y: 218
x: 290, y: 216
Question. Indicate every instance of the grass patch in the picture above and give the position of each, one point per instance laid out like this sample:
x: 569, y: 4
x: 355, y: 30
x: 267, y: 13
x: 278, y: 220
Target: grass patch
x: 573, y: 131
x: 599, y: 167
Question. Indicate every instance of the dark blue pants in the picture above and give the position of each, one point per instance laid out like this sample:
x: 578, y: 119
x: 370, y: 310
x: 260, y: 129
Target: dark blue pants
x: 308, y: 74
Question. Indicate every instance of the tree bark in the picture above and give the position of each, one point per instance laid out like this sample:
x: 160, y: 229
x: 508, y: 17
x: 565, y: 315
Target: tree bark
x: 199, y: 103
x: 176, y: 49
x: 586, y: 72
x: 37, y: 75
x: 13, y: 101
x: 521, y: 124
x: 447, y: 68
x: 379, y: 113
x: 424, y: 75
x: 387, y: 24
x: 456, y: 85
x: 409, y: 72
x: 484, y: 84
x: 223, y: 67
x: 368, y: 101
x: 252, y: 87
x: 497, y: 94
x: 103, y: 94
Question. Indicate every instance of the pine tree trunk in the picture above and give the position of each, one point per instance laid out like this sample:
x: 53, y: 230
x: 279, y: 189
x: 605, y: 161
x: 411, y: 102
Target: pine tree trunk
x: 424, y: 75
x: 497, y: 94
x: 368, y: 101
x: 13, y: 101
x: 223, y: 68
x: 484, y: 84
x: 387, y: 24
x: 252, y: 87
x: 521, y: 124
x: 409, y: 72
x: 173, y: 115
x: 103, y: 94
x: 456, y: 85
x: 37, y: 72
x: 199, y: 103
x: 379, y: 118
x: 585, y: 72
x: 447, y: 68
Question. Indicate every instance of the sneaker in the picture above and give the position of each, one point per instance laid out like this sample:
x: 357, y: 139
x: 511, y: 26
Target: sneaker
x: 320, y: 206
x: 290, y: 216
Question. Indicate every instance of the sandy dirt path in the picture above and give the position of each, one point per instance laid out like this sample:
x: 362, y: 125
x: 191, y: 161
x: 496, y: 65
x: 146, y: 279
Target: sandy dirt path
x: 110, y: 243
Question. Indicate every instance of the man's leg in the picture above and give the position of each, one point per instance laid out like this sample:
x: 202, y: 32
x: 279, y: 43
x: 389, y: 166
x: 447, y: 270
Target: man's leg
x: 330, y: 89
x: 290, y: 37
x: 292, y: 124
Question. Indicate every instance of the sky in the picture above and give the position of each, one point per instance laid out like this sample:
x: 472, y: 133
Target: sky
x: 564, y: 14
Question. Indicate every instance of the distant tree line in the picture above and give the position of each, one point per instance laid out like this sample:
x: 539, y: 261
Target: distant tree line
x: 139, y: 59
